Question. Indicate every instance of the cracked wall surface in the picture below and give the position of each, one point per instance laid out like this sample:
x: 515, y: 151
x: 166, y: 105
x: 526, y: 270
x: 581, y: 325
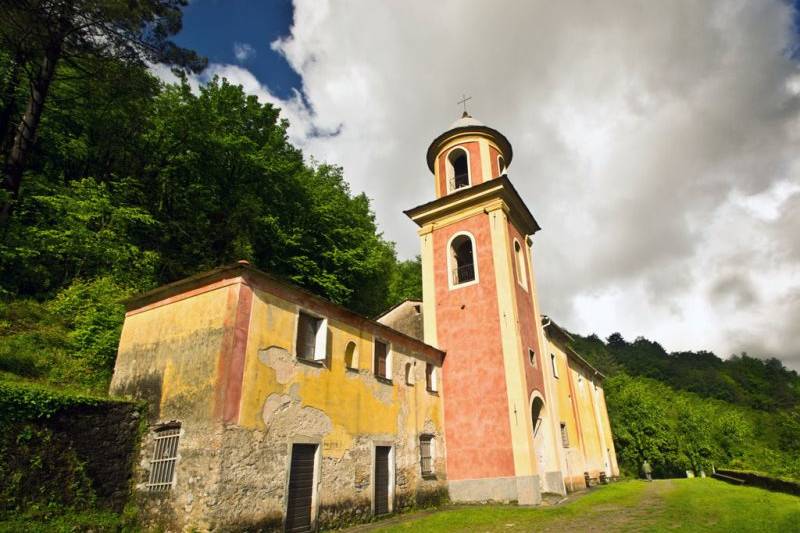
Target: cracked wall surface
x: 232, y: 474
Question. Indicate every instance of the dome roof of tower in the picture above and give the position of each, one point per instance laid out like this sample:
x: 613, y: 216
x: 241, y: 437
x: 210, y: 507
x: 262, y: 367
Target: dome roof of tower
x: 468, y: 124
x: 464, y: 121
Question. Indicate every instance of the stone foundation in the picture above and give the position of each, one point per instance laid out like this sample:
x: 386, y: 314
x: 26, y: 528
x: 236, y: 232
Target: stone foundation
x: 522, y: 489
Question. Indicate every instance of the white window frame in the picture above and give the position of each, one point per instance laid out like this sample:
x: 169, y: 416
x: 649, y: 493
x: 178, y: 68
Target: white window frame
x: 432, y: 447
x: 320, y: 339
x: 434, y: 378
x: 450, y: 172
x: 554, y: 364
x: 450, y: 261
x: 519, y: 261
x: 501, y: 165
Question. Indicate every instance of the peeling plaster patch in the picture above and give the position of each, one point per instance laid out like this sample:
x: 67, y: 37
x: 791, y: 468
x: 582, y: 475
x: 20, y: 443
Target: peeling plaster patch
x: 383, y: 392
x: 273, y: 404
x: 279, y: 360
x: 294, y: 392
x: 285, y: 416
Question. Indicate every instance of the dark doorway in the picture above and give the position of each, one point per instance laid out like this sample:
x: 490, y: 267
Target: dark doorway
x: 301, y: 486
x: 382, y: 479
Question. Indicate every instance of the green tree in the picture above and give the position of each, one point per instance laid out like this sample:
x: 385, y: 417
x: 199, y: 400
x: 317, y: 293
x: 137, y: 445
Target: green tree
x: 406, y: 281
x: 40, y: 34
x: 641, y: 428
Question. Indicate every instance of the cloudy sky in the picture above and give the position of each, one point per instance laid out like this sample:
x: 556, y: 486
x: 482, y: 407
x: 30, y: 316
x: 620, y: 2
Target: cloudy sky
x: 655, y: 142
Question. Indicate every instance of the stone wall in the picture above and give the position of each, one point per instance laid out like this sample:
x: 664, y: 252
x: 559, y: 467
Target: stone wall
x: 82, y: 456
x: 106, y: 439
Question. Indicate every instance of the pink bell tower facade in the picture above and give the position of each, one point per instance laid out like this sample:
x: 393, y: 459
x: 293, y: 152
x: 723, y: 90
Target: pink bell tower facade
x: 480, y: 306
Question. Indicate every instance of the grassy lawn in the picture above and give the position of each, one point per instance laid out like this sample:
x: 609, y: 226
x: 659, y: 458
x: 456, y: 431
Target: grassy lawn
x: 682, y: 505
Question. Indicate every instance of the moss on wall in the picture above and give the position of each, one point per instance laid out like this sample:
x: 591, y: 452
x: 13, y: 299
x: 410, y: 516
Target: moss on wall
x: 60, y: 451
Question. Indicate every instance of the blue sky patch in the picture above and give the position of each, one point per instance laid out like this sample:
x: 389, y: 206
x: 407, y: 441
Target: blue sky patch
x: 239, y: 32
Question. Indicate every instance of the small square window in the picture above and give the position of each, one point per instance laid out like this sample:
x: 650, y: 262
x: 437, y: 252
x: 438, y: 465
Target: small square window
x: 312, y: 334
x: 165, y: 455
x: 532, y: 357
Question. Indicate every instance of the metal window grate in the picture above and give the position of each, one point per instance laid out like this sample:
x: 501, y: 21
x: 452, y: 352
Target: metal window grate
x: 165, y: 454
x: 425, y: 455
x: 459, y: 182
x: 463, y: 274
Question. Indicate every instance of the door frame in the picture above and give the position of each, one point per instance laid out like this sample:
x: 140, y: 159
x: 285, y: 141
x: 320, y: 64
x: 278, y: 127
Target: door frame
x: 391, y: 491
x: 314, y: 484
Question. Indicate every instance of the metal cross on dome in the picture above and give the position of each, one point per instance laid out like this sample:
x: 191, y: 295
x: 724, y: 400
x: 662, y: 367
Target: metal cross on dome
x: 463, y: 101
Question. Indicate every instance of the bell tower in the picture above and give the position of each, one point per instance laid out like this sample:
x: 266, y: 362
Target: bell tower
x: 480, y: 306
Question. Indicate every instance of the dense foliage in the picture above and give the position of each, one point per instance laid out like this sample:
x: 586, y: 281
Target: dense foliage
x: 136, y: 184
x: 689, y: 411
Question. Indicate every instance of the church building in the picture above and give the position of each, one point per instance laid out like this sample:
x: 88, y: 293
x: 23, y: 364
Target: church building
x: 273, y: 408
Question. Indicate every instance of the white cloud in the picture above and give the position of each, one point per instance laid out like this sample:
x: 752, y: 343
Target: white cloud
x: 243, y: 52
x: 655, y: 142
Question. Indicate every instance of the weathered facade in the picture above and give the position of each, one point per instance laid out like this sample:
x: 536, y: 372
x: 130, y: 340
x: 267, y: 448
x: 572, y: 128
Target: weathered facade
x: 274, y: 408
x: 217, y: 357
x: 584, y: 448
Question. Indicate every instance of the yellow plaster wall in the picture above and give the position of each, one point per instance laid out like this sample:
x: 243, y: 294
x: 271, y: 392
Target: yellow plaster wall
x: 356, y: 403
x: 564, y: 396
x: 600, y: 398
x: 592, y: 447
x: 172, y: 352
x: 573, y: 456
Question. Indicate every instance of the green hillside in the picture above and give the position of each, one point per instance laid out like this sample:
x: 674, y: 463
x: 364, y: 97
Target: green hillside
x: 692, y: 410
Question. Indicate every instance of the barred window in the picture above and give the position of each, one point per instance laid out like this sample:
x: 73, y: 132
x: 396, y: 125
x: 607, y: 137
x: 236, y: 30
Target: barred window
x: 165, y: 454
x: 426, y: 454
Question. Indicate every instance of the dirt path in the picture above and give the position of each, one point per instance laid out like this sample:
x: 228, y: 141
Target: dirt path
x: 610, y: 517
x: 636, y: 515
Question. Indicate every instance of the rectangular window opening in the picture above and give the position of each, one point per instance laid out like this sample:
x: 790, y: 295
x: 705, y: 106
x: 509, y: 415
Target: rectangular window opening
x: 564, y: 435
x: 165, y: 455
x: 430, y: 378
x: 311, y: 337
x: 426, y: 454
x: 381, y: 362
x: 555, y: 364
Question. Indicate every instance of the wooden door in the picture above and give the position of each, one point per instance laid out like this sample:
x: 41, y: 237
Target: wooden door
x: 301, y: 487
x: 382, y: 479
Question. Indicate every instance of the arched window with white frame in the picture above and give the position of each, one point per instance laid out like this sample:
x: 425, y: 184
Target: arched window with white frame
x: 461, y: 260
x: 457, y: 169
x: 501, y: 165
x: 522, y: 271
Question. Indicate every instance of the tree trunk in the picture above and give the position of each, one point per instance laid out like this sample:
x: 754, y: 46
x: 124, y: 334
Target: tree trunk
x: 9, y: 102
x: 26, y: 132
